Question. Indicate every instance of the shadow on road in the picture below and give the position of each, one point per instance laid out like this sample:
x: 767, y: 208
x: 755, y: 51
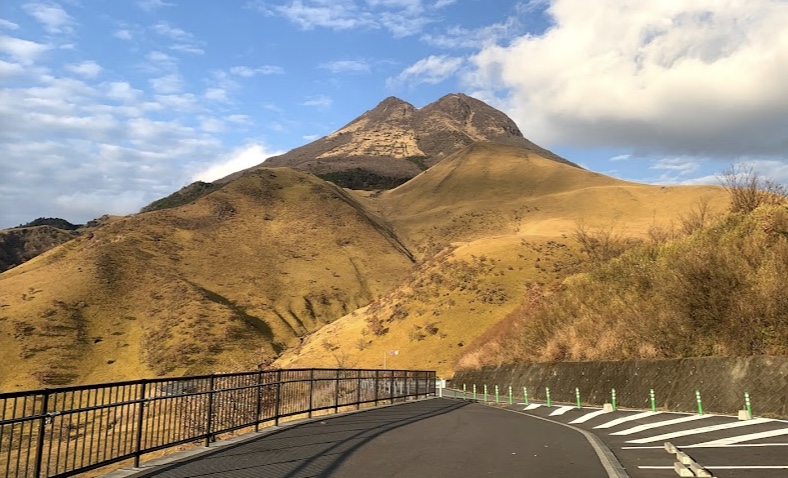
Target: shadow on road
x: 307, y: 450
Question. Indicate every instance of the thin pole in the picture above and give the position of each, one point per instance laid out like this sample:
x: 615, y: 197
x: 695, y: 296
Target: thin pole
x: 613, y: 398
x: 577, y: 395
x: 511, y: 397
x: 525, y: 395
x: 700, y: 404
x: 547, y: 391
x: 653, y: 399
x: 747, y: 404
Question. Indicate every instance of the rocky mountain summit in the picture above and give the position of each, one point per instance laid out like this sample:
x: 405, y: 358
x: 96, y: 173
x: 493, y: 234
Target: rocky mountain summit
x: 393, y: 142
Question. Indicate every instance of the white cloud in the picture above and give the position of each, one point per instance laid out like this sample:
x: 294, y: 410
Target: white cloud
x: 122, y: 91
x: 680, y: 165
x: 621, y: 157
x: 123, y: 34
x: 186, y: 48
x: 175, y: 33
x: 151, y: 5
x: 179, y: 102
x: 248, y: 72
x: 239, y: 159
x: 431, y: 70
x: 25, y: 51
x: 6, y: 25
x: 167, y: 84
x: 243, y: 120
x: 216, y: 94
x: 677, y: 78
x: 460, y: 37
x: 320, y: 101
x: 51, y: 16
x: 211, y: 125
x: 400, y: 17
x: 10, y: 69
x: 346, y: 66
x: 88, y: 69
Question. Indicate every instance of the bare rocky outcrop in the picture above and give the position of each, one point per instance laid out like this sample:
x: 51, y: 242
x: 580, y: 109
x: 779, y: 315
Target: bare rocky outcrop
x: 394, y: 142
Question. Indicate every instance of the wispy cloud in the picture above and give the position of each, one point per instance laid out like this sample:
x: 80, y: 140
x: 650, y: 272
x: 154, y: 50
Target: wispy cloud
x: 400, y: 17
x: 346, y: 66
x: 237, y: 160
x: 319, y: 101
x: 167, y: 84
x: 151, y: 5
x: 123, y: 34
x: 431, y: 70
x: 248, y: 72
x: 6, y: 25
x: 24, y: 51
x: 87, y: 69
x: 51, y: 16
x: 184, y: 41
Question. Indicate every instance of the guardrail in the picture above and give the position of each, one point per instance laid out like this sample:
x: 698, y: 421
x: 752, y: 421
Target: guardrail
x: 70, y: 430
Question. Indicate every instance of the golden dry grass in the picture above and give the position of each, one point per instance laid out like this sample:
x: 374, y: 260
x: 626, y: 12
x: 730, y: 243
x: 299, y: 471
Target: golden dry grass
x: 234, y: 278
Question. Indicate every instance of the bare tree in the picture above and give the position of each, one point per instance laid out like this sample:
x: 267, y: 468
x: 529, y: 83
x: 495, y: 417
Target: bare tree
x: 748, y: 189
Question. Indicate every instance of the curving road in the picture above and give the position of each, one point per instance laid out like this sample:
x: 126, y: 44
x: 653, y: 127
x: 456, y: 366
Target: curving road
x: 428, y: 438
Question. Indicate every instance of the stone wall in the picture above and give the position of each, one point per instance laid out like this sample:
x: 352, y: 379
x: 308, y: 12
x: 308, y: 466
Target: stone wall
x: 721, y: 381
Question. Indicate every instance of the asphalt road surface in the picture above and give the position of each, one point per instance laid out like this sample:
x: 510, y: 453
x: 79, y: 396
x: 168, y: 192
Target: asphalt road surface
x: 428, y: 438
x: 724, y: 445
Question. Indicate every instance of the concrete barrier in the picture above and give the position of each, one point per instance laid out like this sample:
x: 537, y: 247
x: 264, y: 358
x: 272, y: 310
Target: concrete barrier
x: 722, y: 380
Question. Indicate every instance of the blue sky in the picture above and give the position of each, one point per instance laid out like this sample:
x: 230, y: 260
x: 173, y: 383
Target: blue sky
x: 108, y: 105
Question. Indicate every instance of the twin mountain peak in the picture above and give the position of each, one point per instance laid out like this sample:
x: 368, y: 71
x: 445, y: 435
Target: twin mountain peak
x: 395, y: 141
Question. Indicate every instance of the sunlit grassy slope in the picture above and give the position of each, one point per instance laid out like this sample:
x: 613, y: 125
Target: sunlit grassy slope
x: 488, y: 224
x: 223, y: 283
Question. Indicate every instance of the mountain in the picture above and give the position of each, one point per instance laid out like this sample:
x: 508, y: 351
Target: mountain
x: 276, y: 264
x: 394, y: 142
x: 491, y: 225
x: 225, y: 282
x: 20, y: 244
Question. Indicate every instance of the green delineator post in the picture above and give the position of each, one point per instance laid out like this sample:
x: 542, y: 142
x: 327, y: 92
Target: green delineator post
x: 525, y: 395
x: 577, y: 395
x: 474, y: 391
x: 700, y: 404
x: 485, y: 393
x: 464, y: 396
x: 653, y: 399
x: 747, y: 404
x: 613, y: 397
x: 547, y: 391
x: 497, y: 397
x: 511, y: 397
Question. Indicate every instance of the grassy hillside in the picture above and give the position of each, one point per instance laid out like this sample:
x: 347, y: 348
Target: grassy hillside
x: 720, y: 291
x: 489, y: 225
x: 223, y: 283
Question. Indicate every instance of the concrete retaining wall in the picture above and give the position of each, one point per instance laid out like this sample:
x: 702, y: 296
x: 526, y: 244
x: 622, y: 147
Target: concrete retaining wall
x: 721, y: 381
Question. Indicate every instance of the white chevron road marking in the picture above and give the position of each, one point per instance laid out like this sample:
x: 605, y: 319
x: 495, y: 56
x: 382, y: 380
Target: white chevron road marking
x: 533, y: 406
x: 619, y: 421
x: 698, y: 431
x: 560, y: 410
x: 663, y: 423
x: 741, y: 438
x: 589, y: 416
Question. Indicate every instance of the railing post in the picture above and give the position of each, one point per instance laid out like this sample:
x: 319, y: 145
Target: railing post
x: 41, y: 433
x: 209, y: 421
x: 417, y: 385
x: 278, y: 408
x: 259, y: 404
x: 391, y: 390
x: 358, y: 391
x: 377, y: 385
x: 336, y: 393
x: 140, y: 412
x: 311, y: 390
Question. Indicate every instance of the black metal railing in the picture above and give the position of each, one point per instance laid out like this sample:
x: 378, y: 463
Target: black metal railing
x: 70, y: 430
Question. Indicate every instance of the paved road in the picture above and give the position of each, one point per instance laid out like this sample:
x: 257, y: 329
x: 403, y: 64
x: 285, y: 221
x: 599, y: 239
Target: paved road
x: 429, y: 438
x: 724, y: 445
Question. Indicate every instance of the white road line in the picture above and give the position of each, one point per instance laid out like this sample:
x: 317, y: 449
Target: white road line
x: 589, y: 416
x: 619, y: 421
x: 532, y: 406
x: 663, y: 423
x: 698, y: 431
x: 724, y: 467
x: 662, y: 447
x: 741, y: 438
x: 561, y: 410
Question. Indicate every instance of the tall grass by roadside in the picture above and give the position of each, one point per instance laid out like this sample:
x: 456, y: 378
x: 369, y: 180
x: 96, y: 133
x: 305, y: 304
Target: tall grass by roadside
x: 720, y: 291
